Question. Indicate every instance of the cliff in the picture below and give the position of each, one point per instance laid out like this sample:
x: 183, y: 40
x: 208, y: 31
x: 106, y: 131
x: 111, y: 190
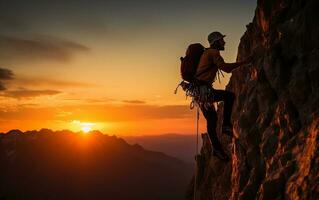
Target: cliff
x: 275, y: 115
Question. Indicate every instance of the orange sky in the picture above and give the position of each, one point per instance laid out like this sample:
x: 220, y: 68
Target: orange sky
x: 107, y: 67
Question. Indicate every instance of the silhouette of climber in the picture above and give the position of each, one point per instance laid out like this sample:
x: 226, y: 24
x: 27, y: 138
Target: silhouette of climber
x: 210, y: 62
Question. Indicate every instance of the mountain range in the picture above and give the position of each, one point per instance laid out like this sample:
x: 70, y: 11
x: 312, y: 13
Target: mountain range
x: 49, y: 164
x: 177, y: 145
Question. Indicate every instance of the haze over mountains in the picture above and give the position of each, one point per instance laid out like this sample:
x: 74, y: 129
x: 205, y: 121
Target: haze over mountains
x: 66, y: 165
x: 179, y: 146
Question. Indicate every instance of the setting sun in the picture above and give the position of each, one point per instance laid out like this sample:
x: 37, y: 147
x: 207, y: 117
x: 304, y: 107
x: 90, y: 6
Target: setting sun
x: 85, y: 127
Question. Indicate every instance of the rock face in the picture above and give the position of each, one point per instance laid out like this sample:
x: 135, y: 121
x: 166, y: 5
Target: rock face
x: 276, y: 114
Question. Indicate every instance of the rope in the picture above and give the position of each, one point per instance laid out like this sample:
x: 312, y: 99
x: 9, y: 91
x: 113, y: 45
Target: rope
x: 219, y: 72
x: 197, y: 129
x: 196, y: 155
x: 198, y: 96
x: 175, y: 92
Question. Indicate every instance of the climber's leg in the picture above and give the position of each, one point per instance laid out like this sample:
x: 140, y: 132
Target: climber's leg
x: 211, y: 118
x: 228, y: 99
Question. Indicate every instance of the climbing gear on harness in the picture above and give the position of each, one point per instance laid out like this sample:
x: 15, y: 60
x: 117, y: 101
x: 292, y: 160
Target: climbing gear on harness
x: 201, y: 94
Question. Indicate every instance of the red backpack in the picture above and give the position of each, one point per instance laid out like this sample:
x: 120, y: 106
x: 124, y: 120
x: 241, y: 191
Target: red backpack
x: 190, y: 62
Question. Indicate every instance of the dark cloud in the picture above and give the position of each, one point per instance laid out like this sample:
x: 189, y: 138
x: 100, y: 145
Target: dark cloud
x: 26, y: 93
x: 5, y: 74
x: 39, y: 47
x: 99, y: 101
x: 134, y: 101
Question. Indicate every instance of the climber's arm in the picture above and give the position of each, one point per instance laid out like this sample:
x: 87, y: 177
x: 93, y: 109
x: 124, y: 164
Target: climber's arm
x: 228, y: 67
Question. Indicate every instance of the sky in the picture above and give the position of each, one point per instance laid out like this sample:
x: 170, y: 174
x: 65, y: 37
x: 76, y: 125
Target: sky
x: 106, y: 65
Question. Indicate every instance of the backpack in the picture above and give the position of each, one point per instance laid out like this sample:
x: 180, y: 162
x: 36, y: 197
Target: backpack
x: 190, y: 62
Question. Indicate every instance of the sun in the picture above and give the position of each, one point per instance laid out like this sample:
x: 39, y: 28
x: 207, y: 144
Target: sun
x: 86, y: 128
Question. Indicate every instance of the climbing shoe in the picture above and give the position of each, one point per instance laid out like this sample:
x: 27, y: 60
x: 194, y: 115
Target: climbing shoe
x: 228, y: 130
x: 221, y: 155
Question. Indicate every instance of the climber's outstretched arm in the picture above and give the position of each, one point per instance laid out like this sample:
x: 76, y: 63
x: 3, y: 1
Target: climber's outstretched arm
x: 228, y: 67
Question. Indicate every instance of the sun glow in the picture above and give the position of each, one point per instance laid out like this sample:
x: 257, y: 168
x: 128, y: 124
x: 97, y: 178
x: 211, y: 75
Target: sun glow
x: 85, y: 127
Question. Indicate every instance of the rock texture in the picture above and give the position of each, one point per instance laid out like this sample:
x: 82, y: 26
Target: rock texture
x: 276, y: 114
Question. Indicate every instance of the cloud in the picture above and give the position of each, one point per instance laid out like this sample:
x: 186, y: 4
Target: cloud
x: 101, y: 113
x: 39, y: 47
x: 50, y: 82
x: 26, y: 93
x: 5, y: 74
x: 134, y: 101
x: 127, y: 112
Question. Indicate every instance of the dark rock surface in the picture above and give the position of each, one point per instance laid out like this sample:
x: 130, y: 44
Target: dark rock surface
x: 276, y: 113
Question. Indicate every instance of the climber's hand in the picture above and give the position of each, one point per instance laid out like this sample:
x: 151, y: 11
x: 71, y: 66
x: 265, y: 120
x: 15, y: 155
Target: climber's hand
x: 248, y: 59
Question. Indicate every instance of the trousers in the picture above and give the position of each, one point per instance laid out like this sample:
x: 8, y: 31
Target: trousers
x: 211, y: 115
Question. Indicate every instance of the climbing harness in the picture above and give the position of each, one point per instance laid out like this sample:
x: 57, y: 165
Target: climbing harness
x: 201, y: 94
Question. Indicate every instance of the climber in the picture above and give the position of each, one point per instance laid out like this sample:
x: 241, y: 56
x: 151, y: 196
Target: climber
x: 209, y: 65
